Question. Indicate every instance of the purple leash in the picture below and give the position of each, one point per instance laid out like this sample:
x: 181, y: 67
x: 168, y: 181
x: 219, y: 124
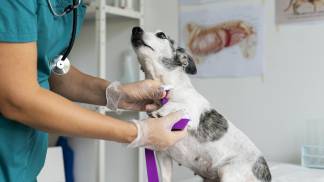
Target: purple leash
x: 151, y: 168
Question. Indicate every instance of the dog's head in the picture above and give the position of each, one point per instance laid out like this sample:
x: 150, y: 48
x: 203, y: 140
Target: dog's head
x: 157, y: 51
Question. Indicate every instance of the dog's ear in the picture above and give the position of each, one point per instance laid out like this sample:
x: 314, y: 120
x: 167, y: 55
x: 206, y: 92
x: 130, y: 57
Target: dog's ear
x: 186, y: 61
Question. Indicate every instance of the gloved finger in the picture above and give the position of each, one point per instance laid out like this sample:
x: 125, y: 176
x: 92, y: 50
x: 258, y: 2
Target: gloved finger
x: 172, y: 118
x: 145, y: 105
x: 158, y: 147
x: 172, y: 137
x: 151, y: 107
x: 134, y: 107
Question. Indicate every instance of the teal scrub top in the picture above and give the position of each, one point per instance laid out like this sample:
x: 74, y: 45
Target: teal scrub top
x: 23, y: 149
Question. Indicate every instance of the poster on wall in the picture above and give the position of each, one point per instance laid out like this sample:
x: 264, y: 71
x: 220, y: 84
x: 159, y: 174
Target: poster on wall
x: 224, y: 37
x: 294, y: 11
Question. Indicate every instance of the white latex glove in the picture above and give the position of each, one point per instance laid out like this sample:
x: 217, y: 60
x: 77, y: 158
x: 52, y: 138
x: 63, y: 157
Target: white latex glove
x: 140, y: 96
x: 156, y: 134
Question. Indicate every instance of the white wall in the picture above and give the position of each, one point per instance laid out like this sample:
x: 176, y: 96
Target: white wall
x: 271, y: 110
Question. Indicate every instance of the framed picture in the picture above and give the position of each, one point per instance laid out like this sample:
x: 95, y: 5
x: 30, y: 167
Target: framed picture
x: 224, y: 37
x: 294, y: 11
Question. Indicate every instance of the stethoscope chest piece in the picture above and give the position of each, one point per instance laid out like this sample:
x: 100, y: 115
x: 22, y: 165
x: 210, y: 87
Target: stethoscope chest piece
x: 59, y: 66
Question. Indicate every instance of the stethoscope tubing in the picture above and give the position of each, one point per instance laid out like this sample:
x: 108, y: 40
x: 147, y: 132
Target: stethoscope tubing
x: 74, y: 6
x: 74, y: 27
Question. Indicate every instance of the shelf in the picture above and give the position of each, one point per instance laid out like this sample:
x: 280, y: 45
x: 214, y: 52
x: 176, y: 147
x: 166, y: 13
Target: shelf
x: 109, y: 27
x: 113, y: 12
x: 123, y: 12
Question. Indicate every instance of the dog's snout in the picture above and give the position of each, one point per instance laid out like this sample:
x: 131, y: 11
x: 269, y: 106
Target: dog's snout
x: 137, y: 31
x: 136, y: 38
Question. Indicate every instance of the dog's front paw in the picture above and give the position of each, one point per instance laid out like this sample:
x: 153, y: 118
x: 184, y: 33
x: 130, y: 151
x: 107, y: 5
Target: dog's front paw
x: 154, y: 114
x: 163, y: 111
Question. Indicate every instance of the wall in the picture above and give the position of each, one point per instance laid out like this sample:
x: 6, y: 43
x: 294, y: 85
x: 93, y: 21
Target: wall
x: 271, y: 110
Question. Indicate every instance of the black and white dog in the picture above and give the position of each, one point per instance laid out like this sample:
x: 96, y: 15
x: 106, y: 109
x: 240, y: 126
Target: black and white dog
x: 214, y: 149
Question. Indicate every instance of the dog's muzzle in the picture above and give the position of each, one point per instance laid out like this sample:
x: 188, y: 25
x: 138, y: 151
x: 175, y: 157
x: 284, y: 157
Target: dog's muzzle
x: 137, y: 37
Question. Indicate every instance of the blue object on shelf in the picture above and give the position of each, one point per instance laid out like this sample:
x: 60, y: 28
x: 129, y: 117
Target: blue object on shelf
x: 313, y: 156
x: 68, y: 156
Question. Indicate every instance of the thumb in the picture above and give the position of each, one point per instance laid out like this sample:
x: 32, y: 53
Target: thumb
x: 156, y: 92
x: 151, y: 107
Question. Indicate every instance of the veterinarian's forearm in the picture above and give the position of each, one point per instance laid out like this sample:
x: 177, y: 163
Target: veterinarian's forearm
x: 24, y: 101
x: 80, y: 87
x: 47, y: 111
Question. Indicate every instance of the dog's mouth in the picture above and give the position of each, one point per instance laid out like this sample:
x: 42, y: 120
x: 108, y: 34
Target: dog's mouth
x: 137, y: 38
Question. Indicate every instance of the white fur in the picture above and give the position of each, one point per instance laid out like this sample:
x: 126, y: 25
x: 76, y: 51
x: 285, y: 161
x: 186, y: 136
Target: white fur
x: 233, y: 155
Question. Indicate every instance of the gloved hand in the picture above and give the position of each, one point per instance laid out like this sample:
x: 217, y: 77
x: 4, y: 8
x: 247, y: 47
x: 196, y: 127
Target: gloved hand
x: 156, y: 134
x: 140, y: 96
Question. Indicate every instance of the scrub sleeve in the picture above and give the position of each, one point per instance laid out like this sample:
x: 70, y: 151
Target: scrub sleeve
x: 23, y: 149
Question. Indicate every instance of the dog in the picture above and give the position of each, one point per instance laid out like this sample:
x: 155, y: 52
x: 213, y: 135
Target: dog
x: 214, y: 148
x: 295, y: 4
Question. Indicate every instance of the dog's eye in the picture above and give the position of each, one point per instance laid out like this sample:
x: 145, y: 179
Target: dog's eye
x: 161, y: 35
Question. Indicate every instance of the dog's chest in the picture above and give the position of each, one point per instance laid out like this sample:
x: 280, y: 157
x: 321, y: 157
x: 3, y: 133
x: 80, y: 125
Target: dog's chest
x: 190, y: 101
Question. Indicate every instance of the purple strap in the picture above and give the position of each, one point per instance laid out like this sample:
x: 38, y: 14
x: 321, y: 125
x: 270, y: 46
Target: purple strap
x: 180, y: 125
x: 164, y: 100
x: 151, y: 168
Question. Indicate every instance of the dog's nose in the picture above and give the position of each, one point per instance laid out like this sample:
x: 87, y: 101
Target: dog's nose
x: 137, y: 31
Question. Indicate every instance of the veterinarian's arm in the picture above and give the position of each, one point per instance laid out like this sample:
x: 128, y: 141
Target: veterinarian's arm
x: 23, y: 100
x: 84, y: 88
x: 80, y: 87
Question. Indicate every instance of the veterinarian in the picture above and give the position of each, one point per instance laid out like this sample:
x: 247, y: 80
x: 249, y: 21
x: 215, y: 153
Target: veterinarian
x: 34, y: 101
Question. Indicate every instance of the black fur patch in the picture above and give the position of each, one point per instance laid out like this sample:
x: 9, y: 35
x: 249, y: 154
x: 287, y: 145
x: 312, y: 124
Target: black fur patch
x: 180, y: 49
x: 212, y: 126
x: 186, y: 61
x: 191, y: 67
x: 171, y: 64
x: 261, y: 170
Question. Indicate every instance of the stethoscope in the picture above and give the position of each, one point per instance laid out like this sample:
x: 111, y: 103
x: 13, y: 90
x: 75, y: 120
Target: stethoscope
x: 61, y: 64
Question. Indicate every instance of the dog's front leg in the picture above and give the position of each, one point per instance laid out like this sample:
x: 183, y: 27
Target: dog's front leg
x: 165, y: 163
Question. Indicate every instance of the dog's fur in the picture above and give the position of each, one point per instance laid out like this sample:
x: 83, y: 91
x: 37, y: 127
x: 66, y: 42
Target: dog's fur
x: 214, y: 149
x: 295, y: 4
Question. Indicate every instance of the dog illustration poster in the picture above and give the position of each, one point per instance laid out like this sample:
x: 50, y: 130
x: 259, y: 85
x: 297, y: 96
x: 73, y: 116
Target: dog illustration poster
x: 224, y: 37
x: 292, y: 11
